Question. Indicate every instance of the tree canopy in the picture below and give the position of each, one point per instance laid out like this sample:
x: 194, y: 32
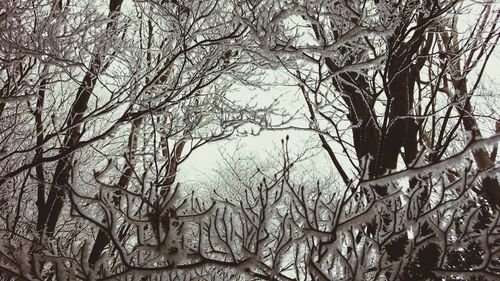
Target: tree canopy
x: 102, y: 104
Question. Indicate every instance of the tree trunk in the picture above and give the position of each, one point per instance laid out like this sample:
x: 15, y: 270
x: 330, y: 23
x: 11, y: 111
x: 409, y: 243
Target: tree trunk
x: 50, y: 211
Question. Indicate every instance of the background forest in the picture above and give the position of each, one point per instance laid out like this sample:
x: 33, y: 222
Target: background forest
x: 386, y: 114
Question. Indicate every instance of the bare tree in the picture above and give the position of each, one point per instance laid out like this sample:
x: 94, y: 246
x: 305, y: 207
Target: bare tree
x: 389, y: 87
x: 102, y: 103
x: 100, y: 108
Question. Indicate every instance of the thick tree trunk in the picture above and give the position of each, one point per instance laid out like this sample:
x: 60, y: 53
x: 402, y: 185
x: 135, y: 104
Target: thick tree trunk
x: 50, y: 211
x: 39, y: 169
x: 102, y: 239
x: 490, y: 185
x: 366, y: 134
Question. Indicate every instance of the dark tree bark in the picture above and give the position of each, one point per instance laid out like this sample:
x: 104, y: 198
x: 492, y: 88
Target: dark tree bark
x: 55, y: 200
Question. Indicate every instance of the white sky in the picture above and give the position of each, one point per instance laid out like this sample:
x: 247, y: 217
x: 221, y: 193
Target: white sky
x: 203, y: 163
